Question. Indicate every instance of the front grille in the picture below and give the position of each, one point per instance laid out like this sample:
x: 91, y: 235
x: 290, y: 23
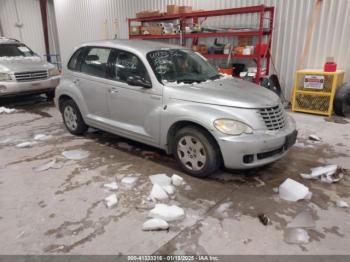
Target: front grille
x: 31, y: 76
x: 273, y: 117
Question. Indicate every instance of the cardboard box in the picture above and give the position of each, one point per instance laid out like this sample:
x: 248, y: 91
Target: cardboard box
x: 172, y: 9
x: 185, y: 9
x: 151, y: 30
x: 147, y: 13
x: 243, y: 41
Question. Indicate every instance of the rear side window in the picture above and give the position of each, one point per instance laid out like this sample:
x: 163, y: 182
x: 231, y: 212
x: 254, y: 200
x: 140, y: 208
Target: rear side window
x: 95, y: 61
x: 73, y: 63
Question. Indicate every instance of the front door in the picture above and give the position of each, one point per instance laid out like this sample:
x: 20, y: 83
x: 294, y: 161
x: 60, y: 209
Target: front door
x: 135, y: 110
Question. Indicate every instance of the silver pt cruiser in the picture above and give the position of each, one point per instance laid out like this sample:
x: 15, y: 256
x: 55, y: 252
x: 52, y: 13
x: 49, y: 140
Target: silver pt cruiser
x: 170, y: 97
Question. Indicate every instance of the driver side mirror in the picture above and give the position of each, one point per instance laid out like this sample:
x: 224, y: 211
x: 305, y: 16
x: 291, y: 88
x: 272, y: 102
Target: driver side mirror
x: 138, y: 81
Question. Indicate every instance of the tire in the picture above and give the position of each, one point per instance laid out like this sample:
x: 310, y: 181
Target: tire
x: 196, y: 152
x: 341, y: 102
x: 72, y: 118
x: 50, y: 95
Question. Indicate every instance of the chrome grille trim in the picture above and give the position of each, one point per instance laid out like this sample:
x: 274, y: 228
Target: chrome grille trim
x: 31, y: 76
x: 273, y: 117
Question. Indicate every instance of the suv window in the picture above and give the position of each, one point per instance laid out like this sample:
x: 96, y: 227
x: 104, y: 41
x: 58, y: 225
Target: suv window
x: 75, y: 60
x: 95, y: 61
x: 14, y: 50
x: 127, y: 64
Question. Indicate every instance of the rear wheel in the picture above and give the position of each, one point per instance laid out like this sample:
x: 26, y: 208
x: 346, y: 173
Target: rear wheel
x: 72, y: 118
x: 196, y: 152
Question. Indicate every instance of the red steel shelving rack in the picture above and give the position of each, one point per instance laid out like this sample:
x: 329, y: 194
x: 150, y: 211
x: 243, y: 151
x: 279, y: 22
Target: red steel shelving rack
x: 260, y: 32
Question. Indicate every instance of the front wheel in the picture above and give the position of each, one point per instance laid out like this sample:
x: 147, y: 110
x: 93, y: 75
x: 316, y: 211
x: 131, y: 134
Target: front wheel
x: 196, y: 152
x: 72, y: 118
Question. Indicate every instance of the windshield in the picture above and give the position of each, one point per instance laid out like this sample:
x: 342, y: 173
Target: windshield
x: 176, y: 65
x: 15, y: 50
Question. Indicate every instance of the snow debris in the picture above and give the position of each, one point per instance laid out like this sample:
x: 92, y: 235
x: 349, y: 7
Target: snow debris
x: 25, y: 144
x: 341, y: 203
x: 328, y: 174
x: 45, y: 166
x: 167, y: 213
x: 125, y: 146
x: 296, y: 236
x: 6, y: 110
x: 111, y: 200
x: 177, y: 180
x: 111, y: 186
x: 314, y: 138
x: 223, y: 207
x: 160, y: 179
x: 155, y: 224
x: 77, y: 154
x: 260, y: 182
x: 292, y: 190
x: 302, y: 220
x: 188, y: 188
x: 42, y: 137
x: 129, y: 180
x: 158, y: 193
x: 169, y: 189
x: 126, y: 167
x: 275, y: 189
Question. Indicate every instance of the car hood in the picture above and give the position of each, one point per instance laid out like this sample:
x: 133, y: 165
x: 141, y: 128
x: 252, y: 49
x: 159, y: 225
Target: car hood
x: 23, y: 64
x: 225, y: 92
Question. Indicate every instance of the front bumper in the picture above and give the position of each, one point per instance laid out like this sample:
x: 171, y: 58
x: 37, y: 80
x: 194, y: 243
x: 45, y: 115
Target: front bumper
x: 10, y: 88
x: 257, y: 149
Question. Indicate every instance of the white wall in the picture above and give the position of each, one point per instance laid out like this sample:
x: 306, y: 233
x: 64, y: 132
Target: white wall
x: 28, y: 14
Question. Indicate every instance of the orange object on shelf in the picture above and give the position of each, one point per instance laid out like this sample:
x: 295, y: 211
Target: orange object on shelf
x: 185, y: 9
x: 226, y: 71
x: 172, y: 9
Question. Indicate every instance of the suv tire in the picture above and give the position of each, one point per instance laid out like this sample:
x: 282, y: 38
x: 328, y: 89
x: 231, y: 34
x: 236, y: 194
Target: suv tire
x: 72, y: 118
x: 196, y: 152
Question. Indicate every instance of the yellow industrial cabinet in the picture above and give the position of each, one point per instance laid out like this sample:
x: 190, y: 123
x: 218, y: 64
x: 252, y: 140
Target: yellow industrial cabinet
x: 314, y: 91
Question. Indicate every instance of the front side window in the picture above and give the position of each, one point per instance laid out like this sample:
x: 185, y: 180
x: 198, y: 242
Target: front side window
x: 95, y: 61
x: 15, y: 50
x: 127, y: 64
x: 176, y: 65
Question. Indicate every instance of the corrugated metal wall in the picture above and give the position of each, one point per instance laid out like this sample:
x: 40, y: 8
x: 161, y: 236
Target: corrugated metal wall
x: 14, y: 13
x: 84, y: 20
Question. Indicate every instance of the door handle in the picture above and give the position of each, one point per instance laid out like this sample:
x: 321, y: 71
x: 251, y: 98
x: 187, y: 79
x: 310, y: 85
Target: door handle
x: 113, y: 90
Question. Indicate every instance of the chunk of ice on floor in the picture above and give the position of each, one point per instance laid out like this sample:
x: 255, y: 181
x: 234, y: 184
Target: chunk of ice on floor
x: 177, y: 180
x: 296, y: 236
x: 302, y: 220
x: 125, y: 146
x: 314, y: 138
x: 341, y: 203
x: 160, y: 179
x: 111, y: 186
x: 42, y: 137
x: 76, y: 154
x: 155, y: 224
x: 158, y: 193
x: 6, y: 110
x: 292, y: 190
x: 167, y: 213
x: 111, y: 200
x: 129, y: 180
x: 169, y: 189
x: 45, y: 166
x: 223, y: 207
x: 188, y: 188
x: 323, y: 170
x: 25, y: 144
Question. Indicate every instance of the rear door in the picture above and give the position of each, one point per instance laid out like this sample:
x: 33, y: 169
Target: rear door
x: 91, y: 80
x: 135, y: 110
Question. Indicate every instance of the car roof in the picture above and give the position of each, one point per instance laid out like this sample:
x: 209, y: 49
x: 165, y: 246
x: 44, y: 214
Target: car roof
x: 5, y: 40
x: 136, y: 45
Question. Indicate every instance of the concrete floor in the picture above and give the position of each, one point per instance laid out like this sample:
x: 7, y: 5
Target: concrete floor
x: 61, y: 211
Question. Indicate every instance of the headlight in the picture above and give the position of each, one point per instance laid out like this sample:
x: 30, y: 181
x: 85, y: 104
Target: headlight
x: 5, y: 77
x: 232, y: 127
x: 54, y: 72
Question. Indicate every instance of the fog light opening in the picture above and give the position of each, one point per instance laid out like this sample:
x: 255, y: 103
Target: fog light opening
x: 247, y: 159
